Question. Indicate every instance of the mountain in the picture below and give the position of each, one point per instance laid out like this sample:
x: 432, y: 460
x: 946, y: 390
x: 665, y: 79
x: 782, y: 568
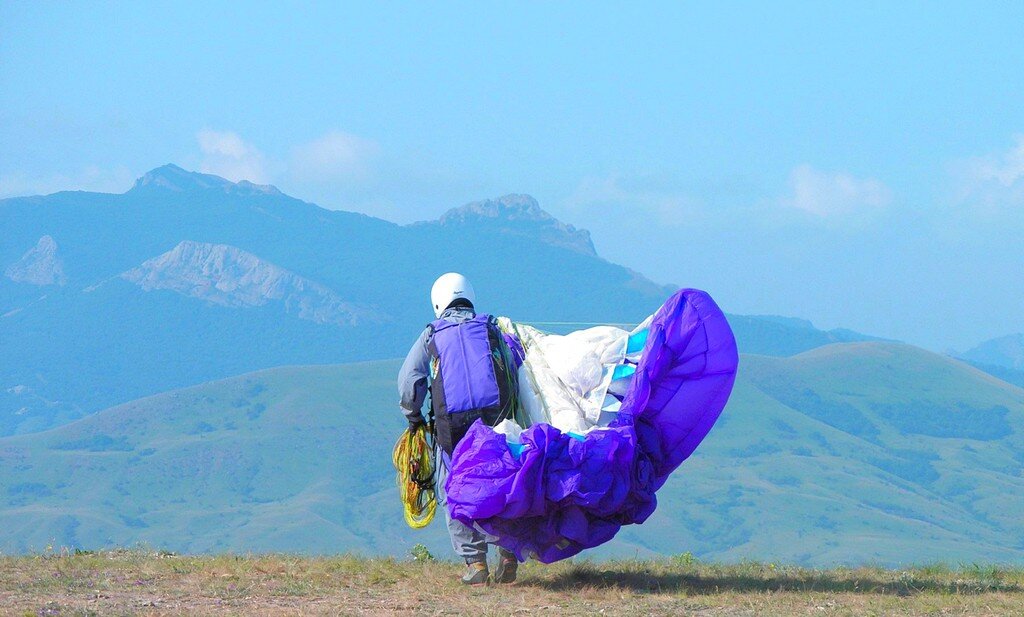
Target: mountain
x: 228, y: 276
x: 188, y: 277
x: 175, y: 179
x: 40, y: 266
x: 1005, y: 351
x: 850, y: 453
x: 1001, y: 357
x: 772, y: 335
x: 518, y: 215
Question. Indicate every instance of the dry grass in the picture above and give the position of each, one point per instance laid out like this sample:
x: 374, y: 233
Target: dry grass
x: 147, y: 583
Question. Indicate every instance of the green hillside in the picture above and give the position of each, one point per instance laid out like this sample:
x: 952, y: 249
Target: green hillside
x: 853, y: 453
x: 850, y: 453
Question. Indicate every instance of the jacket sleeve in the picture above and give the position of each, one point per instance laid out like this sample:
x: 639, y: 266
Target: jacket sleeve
x: 412, y: 379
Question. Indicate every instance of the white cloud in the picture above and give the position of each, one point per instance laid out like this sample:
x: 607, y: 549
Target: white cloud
x: 228, y: 155
x: 633, y: 196
x: 335, y: 170
x: 992, y: 183
x: 333, y: 157
x: 1006, y: 168
x: 831, y: 195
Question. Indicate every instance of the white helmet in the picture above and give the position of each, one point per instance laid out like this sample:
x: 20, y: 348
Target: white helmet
x: 449, y: 288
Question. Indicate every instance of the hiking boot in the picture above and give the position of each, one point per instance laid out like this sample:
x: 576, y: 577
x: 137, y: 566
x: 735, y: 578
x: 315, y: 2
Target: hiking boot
x: 505, y: 572
x: 476, y: 573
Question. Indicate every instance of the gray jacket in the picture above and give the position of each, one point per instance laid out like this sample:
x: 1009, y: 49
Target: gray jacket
x: 412, y: 379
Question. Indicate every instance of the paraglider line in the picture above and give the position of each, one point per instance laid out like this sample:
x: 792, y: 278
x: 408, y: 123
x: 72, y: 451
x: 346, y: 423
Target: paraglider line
x: 577, y: 323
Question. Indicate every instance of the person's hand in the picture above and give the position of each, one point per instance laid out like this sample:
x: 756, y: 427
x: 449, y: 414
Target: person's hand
x: 415, y: 422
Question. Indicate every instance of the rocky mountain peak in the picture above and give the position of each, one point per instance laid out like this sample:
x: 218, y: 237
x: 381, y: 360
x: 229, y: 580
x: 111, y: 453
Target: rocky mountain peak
x: 175, y: 179
x: 512, y: 207
x: 41, y: 265
x: 228, y: 276
x: 521, y: 214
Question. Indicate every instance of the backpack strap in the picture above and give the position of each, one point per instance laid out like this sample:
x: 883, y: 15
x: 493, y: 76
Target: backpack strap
x: 430, y: 406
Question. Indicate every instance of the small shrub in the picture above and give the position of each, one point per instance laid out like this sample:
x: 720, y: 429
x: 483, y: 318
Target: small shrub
x: 960, y: 420
x: 202, y: 427
x: 824, y: 522
x: 97, y: 443
x: 29, y: 489
x: 420, y: 552
x: 256, y: 411
x: 759, y: 448
x: 687, y: 560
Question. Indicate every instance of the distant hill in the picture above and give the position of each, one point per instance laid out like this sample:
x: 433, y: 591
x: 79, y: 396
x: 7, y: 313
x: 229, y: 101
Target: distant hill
x: 1005, y: 351
x: 1002, y: 357
x: 189, y: 277
x: 772, y: 335
x: 1008, y: 375
x: 850, y: 453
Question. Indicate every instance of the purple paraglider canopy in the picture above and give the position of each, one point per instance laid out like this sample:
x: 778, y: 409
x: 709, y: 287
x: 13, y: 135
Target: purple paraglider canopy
x: 559, y: 492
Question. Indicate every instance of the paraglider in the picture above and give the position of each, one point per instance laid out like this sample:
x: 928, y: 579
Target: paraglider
x: 600, y: 419
x: 612, y: 413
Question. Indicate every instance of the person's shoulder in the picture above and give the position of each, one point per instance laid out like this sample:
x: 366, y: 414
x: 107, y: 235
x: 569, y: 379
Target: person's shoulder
x: 426, y: 333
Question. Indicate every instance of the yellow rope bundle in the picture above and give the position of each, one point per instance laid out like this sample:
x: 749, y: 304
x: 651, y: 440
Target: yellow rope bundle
x: 414, y: 461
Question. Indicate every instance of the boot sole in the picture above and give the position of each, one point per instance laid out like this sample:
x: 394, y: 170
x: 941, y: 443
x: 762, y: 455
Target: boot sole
x: 472, y: 583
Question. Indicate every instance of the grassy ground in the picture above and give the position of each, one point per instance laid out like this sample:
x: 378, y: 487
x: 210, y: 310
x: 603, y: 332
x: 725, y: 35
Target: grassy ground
x: 146, y: 583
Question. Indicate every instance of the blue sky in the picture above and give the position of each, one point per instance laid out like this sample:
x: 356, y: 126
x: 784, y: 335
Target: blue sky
x: 860, y: 165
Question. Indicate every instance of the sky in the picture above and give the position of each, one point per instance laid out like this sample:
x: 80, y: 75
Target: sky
x: 860, y: 165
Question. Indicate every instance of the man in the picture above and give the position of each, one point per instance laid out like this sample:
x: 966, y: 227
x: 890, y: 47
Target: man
x: 460, y: 344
